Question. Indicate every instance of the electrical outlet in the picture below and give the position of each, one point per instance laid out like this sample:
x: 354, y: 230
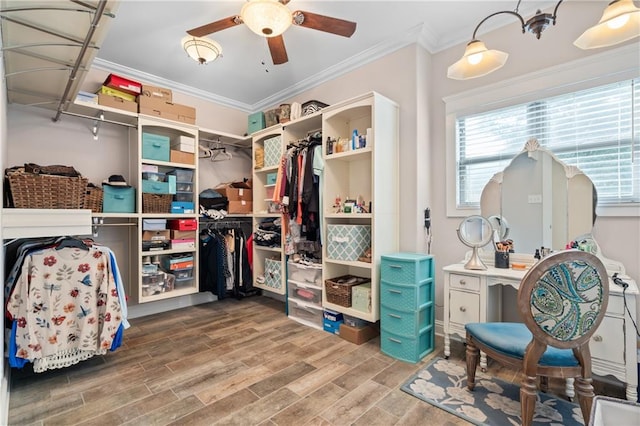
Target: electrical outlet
x: 535, y: 198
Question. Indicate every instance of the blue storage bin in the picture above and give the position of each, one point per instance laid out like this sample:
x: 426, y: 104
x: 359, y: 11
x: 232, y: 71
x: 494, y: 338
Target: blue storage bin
x: 182, y: 207
x: 271, y: 178
x: 155, y: 187
x: 118, y: 200
x: 256, y: 122
x: 155, y: 147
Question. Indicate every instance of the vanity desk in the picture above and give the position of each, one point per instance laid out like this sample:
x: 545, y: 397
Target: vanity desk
x: 476, y: 296
x: 537, y: 201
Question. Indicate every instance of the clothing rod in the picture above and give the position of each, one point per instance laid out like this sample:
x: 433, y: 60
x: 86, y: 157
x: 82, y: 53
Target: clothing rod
x: 224, y: 143
x: 115, y: 224
x: 94, y: 119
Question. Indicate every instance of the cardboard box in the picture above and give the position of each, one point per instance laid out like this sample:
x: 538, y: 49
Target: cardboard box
x: 157, y: 92
x: 236, y: 191
x: 161, y: 235
x: 109, y: 91
x: 182, y: 157
x: 120, y: 83
x: 182, y: 235
x: 358, y: 335
x: 158, y: 107
x: 240, y: 207
x: 116, y: 102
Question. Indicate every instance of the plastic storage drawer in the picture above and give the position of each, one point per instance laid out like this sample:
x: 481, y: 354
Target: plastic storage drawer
x: 300, y: 272
x: 406, y: 268
x: 306, y: 313
x: 406, y: 297
x: 409, y: 349
x: 305, y: 293
x: 182, y: 175
x: 155, y: 147
x: 406, y: 323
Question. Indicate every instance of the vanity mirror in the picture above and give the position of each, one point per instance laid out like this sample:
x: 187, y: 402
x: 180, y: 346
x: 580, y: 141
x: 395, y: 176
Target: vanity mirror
x: 546, y: 202
x: 475, y: 232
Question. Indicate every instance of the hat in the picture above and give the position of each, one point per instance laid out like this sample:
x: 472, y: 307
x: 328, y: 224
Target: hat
x: 116, y: 180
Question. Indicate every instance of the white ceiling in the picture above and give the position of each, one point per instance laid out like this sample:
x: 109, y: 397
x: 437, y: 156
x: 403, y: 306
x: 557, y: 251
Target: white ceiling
x: 143, y: 42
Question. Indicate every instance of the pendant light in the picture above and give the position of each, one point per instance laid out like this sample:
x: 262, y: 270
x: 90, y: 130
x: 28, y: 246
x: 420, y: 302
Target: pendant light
x: 620, y: 22
x: 201, y: 49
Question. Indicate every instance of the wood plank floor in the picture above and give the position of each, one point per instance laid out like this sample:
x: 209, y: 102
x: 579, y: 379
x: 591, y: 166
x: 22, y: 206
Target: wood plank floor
x: 232, y: 363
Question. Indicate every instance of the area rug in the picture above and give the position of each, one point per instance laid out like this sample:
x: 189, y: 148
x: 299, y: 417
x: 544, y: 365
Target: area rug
x: 443, y: 383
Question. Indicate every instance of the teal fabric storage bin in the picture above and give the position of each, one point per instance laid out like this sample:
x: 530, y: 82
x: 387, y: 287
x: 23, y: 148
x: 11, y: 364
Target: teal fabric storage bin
x: 155, y: 147
x: 118, y: 200
x: 271, y: 178
x: 155, y: 187
x: 256, y: 122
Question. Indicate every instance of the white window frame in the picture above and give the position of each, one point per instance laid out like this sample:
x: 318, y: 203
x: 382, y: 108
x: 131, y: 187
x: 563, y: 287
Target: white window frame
x: 596, y: 70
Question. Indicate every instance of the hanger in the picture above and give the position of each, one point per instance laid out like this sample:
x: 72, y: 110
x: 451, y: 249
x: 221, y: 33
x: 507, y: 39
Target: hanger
x: 219, y: 152
x: 70, y: 242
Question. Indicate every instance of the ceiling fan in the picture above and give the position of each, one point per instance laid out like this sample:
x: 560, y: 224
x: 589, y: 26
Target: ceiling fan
x: 271, y: 18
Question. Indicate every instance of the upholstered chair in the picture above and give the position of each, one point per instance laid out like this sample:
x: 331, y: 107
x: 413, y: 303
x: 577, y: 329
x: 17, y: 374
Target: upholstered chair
x: 562, y: 300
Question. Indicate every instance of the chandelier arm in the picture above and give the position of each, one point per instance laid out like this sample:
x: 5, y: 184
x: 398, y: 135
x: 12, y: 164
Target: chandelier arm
x: 555, y: 12
x: 498, y: 13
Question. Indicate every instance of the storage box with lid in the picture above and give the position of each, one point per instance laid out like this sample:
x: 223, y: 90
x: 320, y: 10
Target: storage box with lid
x: 109, y: 91
x: 182, y: 157
x: 155, y: 147
x: 158, y: 107
x: 124, y: 84
x: 156, y: 92
x: 117, y: 102
x: 118, y: 200
x: 255, y: 122
x: 347, y: 242
x: 273, y: 273
x: 171, y: 263
x: 183, y: 244
x: 305, y: 273
x: 184, y: 274
x: 182, y: 207
x: 272, y: 151
x: 154, y: 224
x: 183, y: 224
x: 358, y: 335
x: 159, y: 235
x: 184, y: 143
x: 236, y: 191
x: 179, y: 235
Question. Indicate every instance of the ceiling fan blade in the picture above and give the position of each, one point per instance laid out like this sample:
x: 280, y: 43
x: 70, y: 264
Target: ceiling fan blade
x: 277, y: 49
x: 324, y: 23
x: 216, y: 26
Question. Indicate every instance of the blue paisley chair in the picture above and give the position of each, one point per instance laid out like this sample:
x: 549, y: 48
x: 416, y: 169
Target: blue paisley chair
x: 562, y: 300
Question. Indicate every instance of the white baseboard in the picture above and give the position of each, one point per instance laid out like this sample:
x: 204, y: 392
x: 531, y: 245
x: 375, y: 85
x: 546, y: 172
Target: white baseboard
x: 144, y: 309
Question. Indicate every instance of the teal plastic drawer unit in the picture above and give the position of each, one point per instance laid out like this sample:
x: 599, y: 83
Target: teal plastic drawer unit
x: 118, y: 200
x: 155, y: 147
x: 407, y: 298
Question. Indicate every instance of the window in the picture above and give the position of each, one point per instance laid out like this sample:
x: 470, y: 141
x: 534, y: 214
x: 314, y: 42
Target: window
x: 593, y: 129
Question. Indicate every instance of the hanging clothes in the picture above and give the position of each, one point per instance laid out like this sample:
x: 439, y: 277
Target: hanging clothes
x: 64, y: 306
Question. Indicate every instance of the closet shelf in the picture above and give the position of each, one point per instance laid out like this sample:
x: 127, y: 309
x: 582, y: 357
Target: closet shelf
x: 32, y: 223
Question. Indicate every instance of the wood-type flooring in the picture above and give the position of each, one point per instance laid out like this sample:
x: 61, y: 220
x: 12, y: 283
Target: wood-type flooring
x: 233, y: 362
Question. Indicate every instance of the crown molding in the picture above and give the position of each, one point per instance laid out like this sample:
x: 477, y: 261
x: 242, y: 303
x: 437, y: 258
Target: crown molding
x: 380, y: 50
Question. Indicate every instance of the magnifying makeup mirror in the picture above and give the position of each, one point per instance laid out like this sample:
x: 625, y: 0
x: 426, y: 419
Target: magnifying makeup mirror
x: 475, y: 231
x: 500, y: 225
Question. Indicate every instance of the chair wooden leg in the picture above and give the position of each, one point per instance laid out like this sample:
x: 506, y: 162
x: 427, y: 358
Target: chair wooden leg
x: 584, y: 389
x: 472, y: 363
x: 528, y: 397
x: 544, y: 384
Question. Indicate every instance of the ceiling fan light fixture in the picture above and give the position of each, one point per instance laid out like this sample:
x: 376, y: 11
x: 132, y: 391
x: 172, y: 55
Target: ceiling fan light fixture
x: 620, y: 22
x: 267, y: 18
x: 477, y: 61
x: 201, y: 49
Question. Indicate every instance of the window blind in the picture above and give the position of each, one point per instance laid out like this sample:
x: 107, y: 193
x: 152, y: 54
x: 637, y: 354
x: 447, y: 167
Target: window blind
x: 592, y: 129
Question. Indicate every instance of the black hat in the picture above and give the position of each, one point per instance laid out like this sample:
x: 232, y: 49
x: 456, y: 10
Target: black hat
x: 116, y: 180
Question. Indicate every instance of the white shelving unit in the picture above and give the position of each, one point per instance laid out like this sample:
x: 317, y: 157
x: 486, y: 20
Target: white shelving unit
x: 371, y: 173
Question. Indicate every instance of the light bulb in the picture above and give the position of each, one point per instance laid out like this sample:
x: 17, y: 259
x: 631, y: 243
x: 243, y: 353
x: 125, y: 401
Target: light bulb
x: 475, y: 58
x: 618, y: 22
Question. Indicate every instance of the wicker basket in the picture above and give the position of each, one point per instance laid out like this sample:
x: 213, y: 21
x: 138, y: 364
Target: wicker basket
x: 156, y: 203
x: 35, y: 191
x: 338, y: 289
x: 93, y: 199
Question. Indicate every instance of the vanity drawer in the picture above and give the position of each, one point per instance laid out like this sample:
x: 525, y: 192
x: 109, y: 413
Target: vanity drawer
x: 466, y: 282
x: 607, y: 343
x: 615, y: 305
x: 464, y: 307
